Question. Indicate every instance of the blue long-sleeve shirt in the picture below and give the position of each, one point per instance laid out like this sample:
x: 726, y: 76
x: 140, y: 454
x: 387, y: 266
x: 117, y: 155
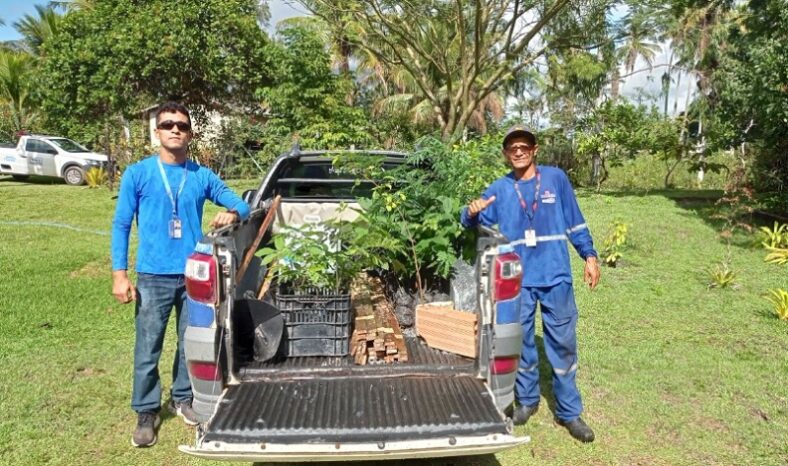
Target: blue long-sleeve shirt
x: 556, y: 220
x: 142, y: 194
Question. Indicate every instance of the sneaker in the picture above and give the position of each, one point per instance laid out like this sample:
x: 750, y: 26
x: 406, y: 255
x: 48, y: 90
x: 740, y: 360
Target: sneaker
x: 523, y: 413
x: 578, y: 429
x: 145, y: 433
x: 184, y: 410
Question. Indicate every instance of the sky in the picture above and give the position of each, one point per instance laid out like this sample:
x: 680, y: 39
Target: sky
x: 12, y: 10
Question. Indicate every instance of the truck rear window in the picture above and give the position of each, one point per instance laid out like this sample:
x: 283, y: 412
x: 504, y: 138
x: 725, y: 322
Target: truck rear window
x: 322, y: 180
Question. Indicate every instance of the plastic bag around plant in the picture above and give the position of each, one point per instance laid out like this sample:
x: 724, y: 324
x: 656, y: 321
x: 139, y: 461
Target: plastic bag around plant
x: 463, y: 286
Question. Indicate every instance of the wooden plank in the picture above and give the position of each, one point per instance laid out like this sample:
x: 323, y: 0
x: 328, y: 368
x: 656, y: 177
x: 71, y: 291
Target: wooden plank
x: 377, y: 337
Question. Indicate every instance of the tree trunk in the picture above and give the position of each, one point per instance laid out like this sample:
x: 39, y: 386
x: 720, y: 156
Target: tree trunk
x: 615, y: 84
x: 345, y: 50
x: 596, y: 169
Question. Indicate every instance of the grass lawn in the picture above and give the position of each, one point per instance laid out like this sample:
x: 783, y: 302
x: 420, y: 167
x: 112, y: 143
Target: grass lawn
x: 672, y: 372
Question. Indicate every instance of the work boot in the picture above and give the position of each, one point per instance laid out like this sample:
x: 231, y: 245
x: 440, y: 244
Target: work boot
x: 184, y: 410
x: 523, y: 413
x: 578, y: 429
x: 145, y: 433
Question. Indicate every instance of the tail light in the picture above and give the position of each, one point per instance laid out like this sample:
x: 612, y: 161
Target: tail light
x: 205, y: 370
x: 508, y: 276
x: 504, y: 365
x: 201, y: 278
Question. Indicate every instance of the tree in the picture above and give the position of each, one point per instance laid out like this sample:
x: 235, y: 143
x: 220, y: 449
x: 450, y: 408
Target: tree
x: 752, y: 88
x: 615, y: 131
x: 73, y: 5
x: 457, y: 53
x: 16, y: 74
x: 306, y: 99
x: 638, y: 28
x: 118, y: 57
x: 37, y: 30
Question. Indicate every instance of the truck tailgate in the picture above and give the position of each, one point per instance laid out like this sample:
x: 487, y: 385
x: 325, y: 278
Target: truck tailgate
x: 355, y: 418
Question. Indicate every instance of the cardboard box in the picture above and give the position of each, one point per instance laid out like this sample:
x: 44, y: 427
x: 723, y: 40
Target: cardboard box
x: 447, y: 329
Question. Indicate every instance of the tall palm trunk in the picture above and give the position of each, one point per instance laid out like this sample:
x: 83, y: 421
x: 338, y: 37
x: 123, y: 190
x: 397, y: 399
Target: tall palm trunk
x: 615, y: 84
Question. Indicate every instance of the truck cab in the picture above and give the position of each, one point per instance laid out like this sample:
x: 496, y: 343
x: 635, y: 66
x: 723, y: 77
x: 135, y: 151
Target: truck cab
x: 327, y: 408
x: 49, y: 156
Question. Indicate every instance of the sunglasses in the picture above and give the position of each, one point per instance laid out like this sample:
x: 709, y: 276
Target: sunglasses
x: 169, y: 124
x: 523, y: 149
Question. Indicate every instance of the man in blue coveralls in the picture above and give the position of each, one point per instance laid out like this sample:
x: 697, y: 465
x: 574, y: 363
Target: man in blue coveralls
x: 166, y: 192
x: 536, y: 209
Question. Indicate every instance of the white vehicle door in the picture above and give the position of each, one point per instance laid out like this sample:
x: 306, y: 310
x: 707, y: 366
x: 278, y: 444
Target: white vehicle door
x: 40, y: 158
x: 14, y: 160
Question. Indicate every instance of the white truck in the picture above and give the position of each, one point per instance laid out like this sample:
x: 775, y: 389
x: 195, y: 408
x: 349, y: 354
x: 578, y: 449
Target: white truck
x: 49, y: 156
x: 327, y: 408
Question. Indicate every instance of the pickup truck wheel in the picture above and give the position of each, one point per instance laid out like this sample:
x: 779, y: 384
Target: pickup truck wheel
x: 74, y: 176
x: 20, y: 177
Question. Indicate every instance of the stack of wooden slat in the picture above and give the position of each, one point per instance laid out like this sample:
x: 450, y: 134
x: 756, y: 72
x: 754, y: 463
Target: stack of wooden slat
x: 377, y: 337
x: 446, y: 329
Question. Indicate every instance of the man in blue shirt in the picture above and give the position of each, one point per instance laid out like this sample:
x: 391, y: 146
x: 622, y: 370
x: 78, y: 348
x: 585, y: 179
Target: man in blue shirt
x: 166, y: 193
x: 536, y: 209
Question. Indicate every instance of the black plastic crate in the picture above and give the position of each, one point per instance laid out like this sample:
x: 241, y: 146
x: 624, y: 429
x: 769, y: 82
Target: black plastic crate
x: 317, y: 321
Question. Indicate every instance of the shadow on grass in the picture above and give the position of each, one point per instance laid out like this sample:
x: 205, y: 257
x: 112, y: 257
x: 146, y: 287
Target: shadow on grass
x: 6, y: 181
x: 479, y: 460
x: 705, y: 204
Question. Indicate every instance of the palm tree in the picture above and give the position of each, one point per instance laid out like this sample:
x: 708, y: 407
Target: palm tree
x: 405, y: 97
x: 36, y: 30
x: 73, y: 5
x: 15, y: 75
x: 639, y: 28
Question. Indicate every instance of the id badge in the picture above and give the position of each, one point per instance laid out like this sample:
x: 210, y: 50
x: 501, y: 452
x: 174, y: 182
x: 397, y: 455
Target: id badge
x: 530, y: 238
x: 175, y: 228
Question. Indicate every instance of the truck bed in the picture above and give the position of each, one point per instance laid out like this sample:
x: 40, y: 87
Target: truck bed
x: 422, y: 360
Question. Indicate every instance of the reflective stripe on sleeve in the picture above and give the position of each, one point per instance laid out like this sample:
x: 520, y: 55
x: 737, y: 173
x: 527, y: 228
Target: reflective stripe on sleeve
x: 575, y: 228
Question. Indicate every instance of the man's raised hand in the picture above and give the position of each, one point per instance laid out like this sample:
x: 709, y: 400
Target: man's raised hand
x: 478, y: 205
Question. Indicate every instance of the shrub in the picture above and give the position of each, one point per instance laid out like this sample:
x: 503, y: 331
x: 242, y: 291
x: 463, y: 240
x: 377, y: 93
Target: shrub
x: 327, y: 255
x: 419, y: 204
x: 775, y: 240
x: 776, y: 237
x: 779, y: 298
x: 777, y: 256
x: 614, y: 241
x: 96, y: 177
x: 721, y: 276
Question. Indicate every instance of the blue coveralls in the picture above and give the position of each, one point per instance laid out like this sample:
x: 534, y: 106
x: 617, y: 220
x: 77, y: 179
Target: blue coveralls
x: 547, y: 277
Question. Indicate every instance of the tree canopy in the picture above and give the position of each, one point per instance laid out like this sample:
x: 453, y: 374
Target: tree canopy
x: 116, y: 58
x: 383, y: 74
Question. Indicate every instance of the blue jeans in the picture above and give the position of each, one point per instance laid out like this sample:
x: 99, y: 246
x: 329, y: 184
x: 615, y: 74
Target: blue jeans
x: 559, y: 320
x: 156, y: 296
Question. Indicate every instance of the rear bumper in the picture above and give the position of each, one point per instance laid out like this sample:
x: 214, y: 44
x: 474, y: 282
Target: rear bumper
x: 312, y: 452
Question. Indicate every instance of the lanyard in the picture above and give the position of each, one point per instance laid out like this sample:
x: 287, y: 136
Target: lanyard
x: 173, y: 200
x: 528, y: 212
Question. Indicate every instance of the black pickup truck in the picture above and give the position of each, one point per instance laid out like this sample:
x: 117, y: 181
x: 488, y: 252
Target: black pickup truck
x: 327, y: 408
